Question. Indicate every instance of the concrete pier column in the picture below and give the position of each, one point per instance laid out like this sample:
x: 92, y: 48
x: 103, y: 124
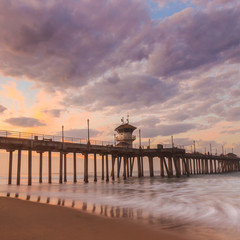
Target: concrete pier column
x: 95, y: 167
x: 131, y: 166
x: 215, y: 166
x: 142, y: 167
x: 29, y: 167
x: 49, y: 167
x: 161, y: 167
x: 199, y: 166
x: 119, y: 166
x: 211, y: 166
x: 19, y: 166
x: 107, y: 170
x: 186, y: 166
x: 74, y: 167
x: 61, y: 167
x: 170, y: 168
x: 190, y: 165
x: 139, y: 166
x: 176, y: 166
x: 166, y: 167
x: 128, y: 167
x: 150, y: 159
x: 86, y: 167
x: 102, y: 167
x: 124, y: 167
x: 203, y: 166
x: 206, y: 166
x: 10, y: 167
x: 113, y: 163
x: 65, y: 167
x: 40, y: 166
x: 194, y: 166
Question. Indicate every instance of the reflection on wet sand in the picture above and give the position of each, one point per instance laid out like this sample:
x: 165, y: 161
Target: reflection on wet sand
x: 103, y: 210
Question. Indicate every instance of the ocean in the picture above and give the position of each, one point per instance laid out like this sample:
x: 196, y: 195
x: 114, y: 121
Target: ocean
x: 207, y: 206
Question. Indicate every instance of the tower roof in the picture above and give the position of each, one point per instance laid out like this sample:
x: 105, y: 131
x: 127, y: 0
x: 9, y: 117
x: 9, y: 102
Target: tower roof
x: 125, y: 126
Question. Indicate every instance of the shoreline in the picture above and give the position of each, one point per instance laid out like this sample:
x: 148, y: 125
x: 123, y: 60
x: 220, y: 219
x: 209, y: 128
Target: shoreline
x: 21, y: 219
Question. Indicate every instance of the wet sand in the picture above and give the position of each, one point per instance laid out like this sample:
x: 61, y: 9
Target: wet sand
x: 25, y: 220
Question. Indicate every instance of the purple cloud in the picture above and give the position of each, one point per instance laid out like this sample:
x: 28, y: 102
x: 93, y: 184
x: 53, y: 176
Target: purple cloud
x: 24, y: 122
x: 190, y: 40
x: 54, y: 112
x: 132, y: 91
x: 2, y: 108
x: 80, y: 133
x: 67, y: 43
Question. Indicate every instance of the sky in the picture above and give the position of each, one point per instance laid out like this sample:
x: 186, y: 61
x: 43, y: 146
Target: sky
x: 171, y: 65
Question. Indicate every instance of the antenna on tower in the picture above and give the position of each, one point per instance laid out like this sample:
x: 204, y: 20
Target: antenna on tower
x: 128, y: 118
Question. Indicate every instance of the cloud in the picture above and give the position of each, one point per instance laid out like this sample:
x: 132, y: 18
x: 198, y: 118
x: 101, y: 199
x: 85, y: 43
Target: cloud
x: 68, y: 43
x: 192, y: 40
x: 54, y: 112
x: 80, y: 133
x: 24, y: 122
x: 167, y: 130
x: 132, y: 91
x: 233, y: 114
x: 2, y: 108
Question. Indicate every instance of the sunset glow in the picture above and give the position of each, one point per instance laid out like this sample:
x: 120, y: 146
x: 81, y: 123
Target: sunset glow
x: 172, y: 65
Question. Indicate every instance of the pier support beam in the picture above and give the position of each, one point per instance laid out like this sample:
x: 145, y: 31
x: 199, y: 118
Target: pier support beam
x: 65, y: 167
x: 29, y: 167
x: 142, y: 167
x: 49, y: 167
x: 131, y: 166
x: 139, y: 166
x: 40, y: 166
x: 61, y: 168
x: 19, y: 166
x: 119, y: 166
x: 186, y: 164
x: 177, y: 166
x: 124, y: 167
x: 161, y: 167
x: 107, y: 170
x: 95, y: 167
x: 86, y: 167
x: 151, y: 172
x: 10, y: 167
x: 128, y: 167
x: 102, y: 167
x: 166, y: 167
x: 113, y: 163
x: 74, y: 167
x: 170, y: 168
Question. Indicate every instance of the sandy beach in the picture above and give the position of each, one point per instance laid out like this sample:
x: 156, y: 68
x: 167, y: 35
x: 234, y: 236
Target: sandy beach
x: 25, y: 220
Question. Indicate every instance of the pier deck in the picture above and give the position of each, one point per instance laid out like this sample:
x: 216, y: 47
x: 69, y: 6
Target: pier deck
x: 173, y: 161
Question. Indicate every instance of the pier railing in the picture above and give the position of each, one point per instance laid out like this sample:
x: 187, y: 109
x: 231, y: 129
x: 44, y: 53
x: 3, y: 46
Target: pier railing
x: 55, y: 138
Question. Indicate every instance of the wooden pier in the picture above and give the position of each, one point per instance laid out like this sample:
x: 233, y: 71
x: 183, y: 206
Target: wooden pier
x: 172, y: 161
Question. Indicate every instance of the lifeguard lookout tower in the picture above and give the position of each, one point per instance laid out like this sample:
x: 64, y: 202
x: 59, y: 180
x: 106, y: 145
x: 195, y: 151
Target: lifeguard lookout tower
x: 125, y: 137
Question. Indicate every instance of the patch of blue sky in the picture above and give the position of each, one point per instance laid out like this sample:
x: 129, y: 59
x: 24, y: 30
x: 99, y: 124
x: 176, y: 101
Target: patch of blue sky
x: 169, y: 9
x: 26, y: 88
x: 4, y: 80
